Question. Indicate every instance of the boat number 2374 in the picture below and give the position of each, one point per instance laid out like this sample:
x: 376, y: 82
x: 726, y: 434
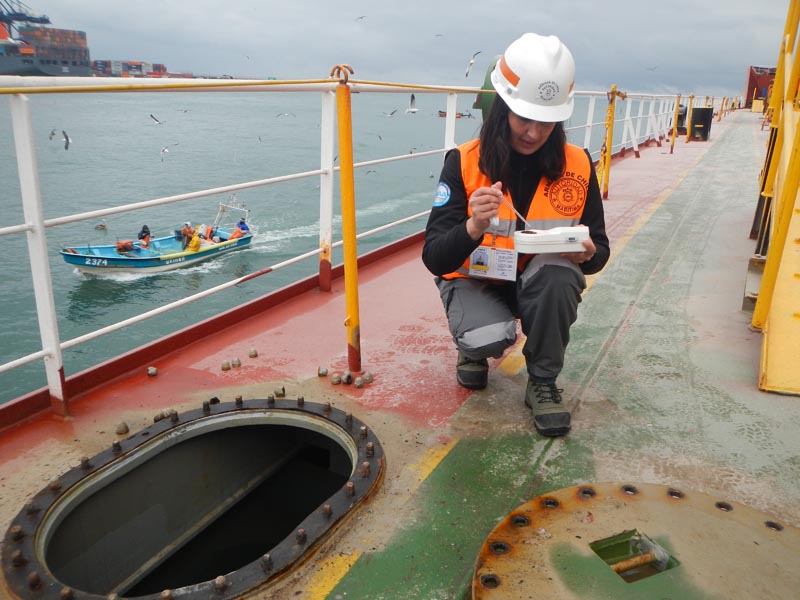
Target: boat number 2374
x: 97, y: 262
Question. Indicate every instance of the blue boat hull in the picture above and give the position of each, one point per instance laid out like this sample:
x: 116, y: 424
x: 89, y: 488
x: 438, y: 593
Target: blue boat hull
x: 164, y: 254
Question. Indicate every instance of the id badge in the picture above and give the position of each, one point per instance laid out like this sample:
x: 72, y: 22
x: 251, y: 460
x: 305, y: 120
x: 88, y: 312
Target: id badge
x: 493, y: 263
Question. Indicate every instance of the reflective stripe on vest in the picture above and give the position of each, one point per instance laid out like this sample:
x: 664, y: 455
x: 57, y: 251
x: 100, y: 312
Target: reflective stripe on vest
x: 556, y: 203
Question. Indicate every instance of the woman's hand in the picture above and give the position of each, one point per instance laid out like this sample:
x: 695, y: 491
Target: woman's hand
x: 581, y: 257
x: 483, y: 204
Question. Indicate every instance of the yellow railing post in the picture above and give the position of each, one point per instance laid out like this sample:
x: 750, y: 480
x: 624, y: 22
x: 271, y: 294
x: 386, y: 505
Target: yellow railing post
x: 689, y: 117
x: 604, y: 164
x: 675, y: 123
x: 347, y: 186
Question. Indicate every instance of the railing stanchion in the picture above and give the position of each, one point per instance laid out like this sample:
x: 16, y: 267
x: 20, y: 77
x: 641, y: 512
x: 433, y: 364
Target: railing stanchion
x: 347, y: 185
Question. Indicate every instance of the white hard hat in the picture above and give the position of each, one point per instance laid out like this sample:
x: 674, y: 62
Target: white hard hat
x: 535, y: 77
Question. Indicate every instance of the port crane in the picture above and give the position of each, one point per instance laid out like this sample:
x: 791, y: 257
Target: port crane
x: 12, y: 11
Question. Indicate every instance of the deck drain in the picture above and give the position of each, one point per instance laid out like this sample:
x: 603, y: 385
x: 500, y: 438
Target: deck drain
x: 619, y: 540
x: 214, y: 502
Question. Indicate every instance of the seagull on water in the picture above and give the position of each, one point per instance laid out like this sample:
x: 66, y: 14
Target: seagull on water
x: 101, y: 226
x: 471, y: 62
x: 286, y: 114
x: 165, y: 150
x: 67, y: 140
x: 152, y: 116
x: 412, y: 105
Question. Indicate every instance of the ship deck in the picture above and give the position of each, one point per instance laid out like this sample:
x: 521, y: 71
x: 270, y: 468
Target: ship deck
x: 661, y: 375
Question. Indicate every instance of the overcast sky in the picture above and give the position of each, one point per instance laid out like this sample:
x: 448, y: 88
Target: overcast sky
x: 679, y: 46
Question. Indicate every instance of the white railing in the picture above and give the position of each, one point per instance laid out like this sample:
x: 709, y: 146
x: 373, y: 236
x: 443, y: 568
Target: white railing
x: 643, y: 118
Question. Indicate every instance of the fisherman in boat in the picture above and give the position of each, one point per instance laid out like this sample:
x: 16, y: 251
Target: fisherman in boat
x: 186, y: 234
x: 194, y: 243
x: 241, y: 229
x: 521, y: 160
x: 144, y: 237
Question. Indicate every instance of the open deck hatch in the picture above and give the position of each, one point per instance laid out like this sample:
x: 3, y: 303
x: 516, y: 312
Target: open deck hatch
x: 222, y: 498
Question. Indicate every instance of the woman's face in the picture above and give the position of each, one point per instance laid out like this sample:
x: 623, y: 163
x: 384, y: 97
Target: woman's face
x: 527, y: 135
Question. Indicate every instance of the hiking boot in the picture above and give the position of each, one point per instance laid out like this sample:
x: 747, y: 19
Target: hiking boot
x: 472, y: 374
x: 549, y: 415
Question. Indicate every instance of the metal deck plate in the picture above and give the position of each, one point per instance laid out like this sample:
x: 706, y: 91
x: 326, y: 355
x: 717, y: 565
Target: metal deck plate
x: 722, y: 549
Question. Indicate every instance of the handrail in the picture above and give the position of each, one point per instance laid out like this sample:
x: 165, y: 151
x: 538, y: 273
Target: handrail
x: 655, y: 112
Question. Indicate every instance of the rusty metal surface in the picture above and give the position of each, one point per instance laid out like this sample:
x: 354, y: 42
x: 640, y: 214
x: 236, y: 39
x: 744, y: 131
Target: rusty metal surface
x: 24, y: 543
x: 724, y: 549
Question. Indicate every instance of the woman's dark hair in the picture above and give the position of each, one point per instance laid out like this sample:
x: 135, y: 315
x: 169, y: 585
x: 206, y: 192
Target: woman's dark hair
x: 495, y: 136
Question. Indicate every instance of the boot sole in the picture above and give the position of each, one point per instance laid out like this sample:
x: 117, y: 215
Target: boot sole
x: 471, y: 386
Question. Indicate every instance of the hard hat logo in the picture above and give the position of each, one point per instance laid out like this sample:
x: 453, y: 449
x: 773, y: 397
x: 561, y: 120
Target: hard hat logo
x: 535, y: 76
x: 548, y: 91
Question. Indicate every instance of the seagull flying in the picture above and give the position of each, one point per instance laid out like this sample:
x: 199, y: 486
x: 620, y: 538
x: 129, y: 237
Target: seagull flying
x: 361, y: 18
x: 152, y: 116
x: 471, y: 62
x: 52, y: 134
x: 412, y: 105
x: 67, y: 140
x: 165, y: 150
x: 390, y: 114
x: 286, y: 114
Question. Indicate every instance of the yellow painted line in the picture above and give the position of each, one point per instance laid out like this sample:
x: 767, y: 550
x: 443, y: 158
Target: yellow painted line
x: 429, y: 462
x: 328, y: 574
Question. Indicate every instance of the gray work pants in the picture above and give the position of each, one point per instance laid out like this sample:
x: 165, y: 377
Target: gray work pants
x: 482, y: 315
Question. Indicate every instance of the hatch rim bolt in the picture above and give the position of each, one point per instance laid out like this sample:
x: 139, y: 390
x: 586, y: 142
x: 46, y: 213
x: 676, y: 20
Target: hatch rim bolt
x: 34, y: 581
x: 348, y: 419
x: 16, y: 533
x: 266, y: 562
x: 173, y: 416
x: 270, y: 400
x: 206, y: 406
x: 152, y: 371
x: 301, y: 536
x: 66, y: 593
x: 238, y: 401
x: 220, y: 583
x: 167, y: 595
x: 350, y: 488
x: 301, y: 401
x: 158, y: 417
x: 116, y: 447
x: 252, y: 353
x: 370, y: 449
x: 326, y: 409
x: 31, y: 508
x: 18, y: 559
x: 322, y: 371
x: 55, y: 485
x: 225, y: 366
x: 347, y: 377
x: 86, y: 464
x: 365, y: 470
x: 327, y: 510
x: 236, y: 362
x: 363, y: 431
x: 213, y: 400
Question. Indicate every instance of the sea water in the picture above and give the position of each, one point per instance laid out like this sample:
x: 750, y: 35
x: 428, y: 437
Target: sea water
x: 120, y: 154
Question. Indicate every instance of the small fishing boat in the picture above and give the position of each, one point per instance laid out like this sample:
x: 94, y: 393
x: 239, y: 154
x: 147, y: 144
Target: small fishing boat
x: 164, y: 253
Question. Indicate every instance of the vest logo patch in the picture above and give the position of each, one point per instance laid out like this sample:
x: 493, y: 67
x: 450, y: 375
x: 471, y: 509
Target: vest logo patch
x: 442, y: 195
x: 567, y: 196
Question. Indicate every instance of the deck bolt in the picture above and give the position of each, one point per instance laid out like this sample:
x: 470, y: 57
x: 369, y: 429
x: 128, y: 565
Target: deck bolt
x: 16, y: 533
x: 322, y: 371
x: 85, y: 463
x: 152, y: 371
x: 238, y: 400
x: 226, y: 366
x: 17, y: 559
x: 266, y: 562
x: 34, y: 581
x: 167, y: 595
x: 66, y: 593
x: 123, y: 429
x: 359, y: 382
x: 252, y: 353
x: 31, y: 509
x: 235, y: 362
x: 116, y: 447
x: 347, y: 377
x: 301, y: 536
x: 270, y: 400
x: 213, y: 400
x: 350, y: 488
x: 206, y: 406
x: 336, y: 379
x: 220, y: 583
x: 367, y: 377
x: 370, y: 451
x: 55, y: 486
x: 301, y: 401
x: 327, y: 510
x: 365, y: 469
x: 280, y: 392
x: 363, y: 431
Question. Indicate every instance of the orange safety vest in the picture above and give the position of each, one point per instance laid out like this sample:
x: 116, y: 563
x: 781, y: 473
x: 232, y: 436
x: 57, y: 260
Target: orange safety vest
x: 556, y: 203
x: 237, y: 233
x: 145, y: 242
